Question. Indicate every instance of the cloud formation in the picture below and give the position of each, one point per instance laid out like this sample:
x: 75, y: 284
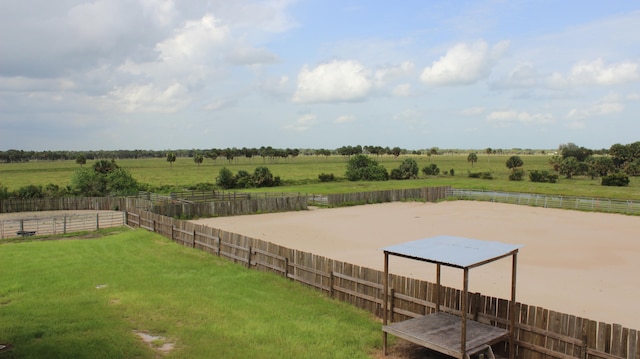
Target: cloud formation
x: 334, y: 81
x: 596, y: 73
x: 464, y: 64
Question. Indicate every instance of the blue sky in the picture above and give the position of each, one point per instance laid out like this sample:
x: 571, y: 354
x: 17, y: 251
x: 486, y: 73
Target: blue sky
x: 164, y: 74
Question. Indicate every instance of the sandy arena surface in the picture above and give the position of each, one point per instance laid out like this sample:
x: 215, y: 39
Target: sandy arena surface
x: 585, y: 264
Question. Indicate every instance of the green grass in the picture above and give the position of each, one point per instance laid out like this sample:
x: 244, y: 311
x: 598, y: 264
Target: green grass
x: 301, y: 175
x: 84, y: 299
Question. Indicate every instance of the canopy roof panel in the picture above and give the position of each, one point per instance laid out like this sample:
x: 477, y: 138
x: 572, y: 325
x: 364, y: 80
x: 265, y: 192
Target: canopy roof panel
x: 453, y: 251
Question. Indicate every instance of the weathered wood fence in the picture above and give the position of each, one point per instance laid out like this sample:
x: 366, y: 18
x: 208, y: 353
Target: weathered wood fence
x: 541, y: 333
x: 168, y: 207
x: 59, y: 224
x: 425, y: 194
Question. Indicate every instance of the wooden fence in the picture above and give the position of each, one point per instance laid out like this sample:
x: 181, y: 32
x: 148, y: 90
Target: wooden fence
x: 168, y: 207
x: 59, y: 224
x: 425, y: 194
x: 540, y: 333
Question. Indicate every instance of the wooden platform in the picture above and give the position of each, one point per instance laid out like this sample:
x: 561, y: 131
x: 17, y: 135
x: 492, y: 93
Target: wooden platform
x: 441, y: 332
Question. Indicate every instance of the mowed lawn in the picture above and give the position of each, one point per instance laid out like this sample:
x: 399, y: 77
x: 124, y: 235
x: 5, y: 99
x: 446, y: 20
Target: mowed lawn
x: 84, y: 298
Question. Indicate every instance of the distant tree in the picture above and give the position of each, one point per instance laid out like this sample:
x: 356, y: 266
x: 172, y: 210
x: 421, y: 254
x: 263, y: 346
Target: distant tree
x: 572, y: 150
x: 198, y: 158
x: 171, y: 158
x: 514, y: 162
x: 473, y: 158
x: 555, y: 162
x: 213, y: 154
x: 102, y: 179
x: 262, y: 177
x: 408, y: 169
x: 396, y: 151
x: 569, y: 167
x: 599, y: 166
x: 81, y: 160
x: 361, y: 167
x: 226, y: 179
x: 432, y: 169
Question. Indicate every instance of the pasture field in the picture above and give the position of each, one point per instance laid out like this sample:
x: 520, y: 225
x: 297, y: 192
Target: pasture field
x: 300, y: 174
x: 84, y: 298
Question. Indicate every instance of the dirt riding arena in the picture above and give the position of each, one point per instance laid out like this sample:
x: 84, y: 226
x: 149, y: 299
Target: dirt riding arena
x: 585, y: 264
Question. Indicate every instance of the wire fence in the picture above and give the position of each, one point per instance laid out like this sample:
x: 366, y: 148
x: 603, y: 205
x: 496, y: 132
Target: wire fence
x: 59, y: 224
x: 549, y: 201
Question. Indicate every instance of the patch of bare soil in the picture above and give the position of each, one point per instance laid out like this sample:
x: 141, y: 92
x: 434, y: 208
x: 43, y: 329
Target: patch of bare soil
x: 155, y: 341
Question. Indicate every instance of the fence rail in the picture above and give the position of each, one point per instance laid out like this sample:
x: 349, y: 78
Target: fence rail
x: 540, y: 333
x: 549, y: 201
x: 59, y: 224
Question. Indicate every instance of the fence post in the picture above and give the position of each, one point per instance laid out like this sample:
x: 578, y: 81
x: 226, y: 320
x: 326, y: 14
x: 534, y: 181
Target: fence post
x: 218, y: 248
x: 64, y: 225
x: 286, y: 267
x: 331, y: 285
x: 97, y: 221
x: 193, y: 245
x: 392, y: 295
x: 249, y: 258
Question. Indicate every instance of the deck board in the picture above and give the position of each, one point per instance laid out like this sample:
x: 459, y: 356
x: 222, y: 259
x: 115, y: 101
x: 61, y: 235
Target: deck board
x: 441, y: 332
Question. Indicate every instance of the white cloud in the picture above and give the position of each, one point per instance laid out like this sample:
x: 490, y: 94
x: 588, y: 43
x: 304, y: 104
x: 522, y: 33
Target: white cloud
x: 524, y: 75
x: 344, y: 119
x: 335, y: 81
x: 219, y: 104
x: 464, y: 64
x: 150, y: 98
x: 596, y: 72
x: 303, y: 123
x: 403, y: 90
x: 605, y: 106
x: 472, y: 111
x: 384, y: 75
x: 504, y: 119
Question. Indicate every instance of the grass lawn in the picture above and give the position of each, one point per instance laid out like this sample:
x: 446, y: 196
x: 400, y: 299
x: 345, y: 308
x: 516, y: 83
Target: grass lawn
x: 84, y: 298
x: 300, y: 174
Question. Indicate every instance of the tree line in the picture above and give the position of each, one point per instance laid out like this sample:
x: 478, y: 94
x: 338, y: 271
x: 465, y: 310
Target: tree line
x: 231, y: 153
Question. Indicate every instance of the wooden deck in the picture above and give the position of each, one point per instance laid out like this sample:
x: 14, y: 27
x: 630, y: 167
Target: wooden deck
x: 441, y: 332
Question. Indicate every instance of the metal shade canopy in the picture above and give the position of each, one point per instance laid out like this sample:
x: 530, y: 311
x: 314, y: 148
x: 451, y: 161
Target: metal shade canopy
x: 435, y: 330
x: 453, y: 251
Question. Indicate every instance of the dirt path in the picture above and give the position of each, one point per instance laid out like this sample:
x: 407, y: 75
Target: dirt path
x: 585, y: 264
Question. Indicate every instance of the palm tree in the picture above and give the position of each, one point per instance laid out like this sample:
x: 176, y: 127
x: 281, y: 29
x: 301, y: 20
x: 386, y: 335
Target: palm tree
x: 473, y: 158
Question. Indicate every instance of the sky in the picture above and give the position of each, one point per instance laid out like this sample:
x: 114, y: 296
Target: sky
x: 195, y: 74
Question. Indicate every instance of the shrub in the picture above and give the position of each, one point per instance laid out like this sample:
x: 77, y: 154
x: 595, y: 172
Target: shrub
x: 244, y: 180
x: 225, y: 179
x: 324, y: 177
x: 430, y: 170
x: 452, y: 172
x: 408, y: 169
x: 542, y: 176
x: 616, y: 179
x: 481, y: 175
x: 361, y: 167
x: 516, y: 175
x: 396, y: 174
x: 102, y: 179
x: 262, y: 177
